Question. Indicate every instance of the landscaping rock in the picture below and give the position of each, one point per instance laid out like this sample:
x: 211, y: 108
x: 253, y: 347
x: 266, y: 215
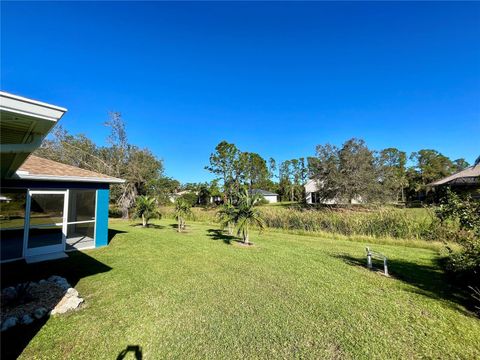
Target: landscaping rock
x: 54, y: 278
x: 60, y: 281
x: 9, y: 293
x: 40, y: 312
x: 22, y: 287
x: 72, y: 292
x: 29, y: 301
x: 26, y: 319
x: 8, y: 323
x: 70, y: 301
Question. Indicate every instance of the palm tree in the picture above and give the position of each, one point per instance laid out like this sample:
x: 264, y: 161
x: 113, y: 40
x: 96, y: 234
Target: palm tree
x: 146, y: 208
x: 247, y: 215
x: 226, y: 216
x: 182, y: 211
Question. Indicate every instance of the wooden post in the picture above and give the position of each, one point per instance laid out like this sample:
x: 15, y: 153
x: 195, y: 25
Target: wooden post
x: 369, y: 258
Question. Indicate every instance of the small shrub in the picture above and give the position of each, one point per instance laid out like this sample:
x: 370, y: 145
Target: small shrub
x: 261, y: 201
x: 464, y: 264
x: 146, y: 209
x: 190, y: 198
x: 182, y: 212
x: 114, y: 212
x: 465, y: 211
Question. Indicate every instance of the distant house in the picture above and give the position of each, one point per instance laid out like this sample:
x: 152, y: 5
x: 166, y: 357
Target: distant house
x: 173, y: 197
x: 46, y: 208
x: 466, y: 181
x: 217, y: 199
x: 214, y: 199
x: 312, y: 195
x: 5, y: 199
x: 267, y: 195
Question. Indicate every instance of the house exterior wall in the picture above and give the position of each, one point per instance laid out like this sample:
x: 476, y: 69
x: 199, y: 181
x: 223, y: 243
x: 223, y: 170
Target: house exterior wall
x: 101, y: 217
x: 312, y: 186
x: 101, y: 209
x: 271, y: 198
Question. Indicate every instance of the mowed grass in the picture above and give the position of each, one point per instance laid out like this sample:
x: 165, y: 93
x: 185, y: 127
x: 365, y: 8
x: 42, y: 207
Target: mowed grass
x: 200, y: 295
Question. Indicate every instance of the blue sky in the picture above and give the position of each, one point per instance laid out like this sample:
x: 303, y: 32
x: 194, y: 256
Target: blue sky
x: 274, y: 78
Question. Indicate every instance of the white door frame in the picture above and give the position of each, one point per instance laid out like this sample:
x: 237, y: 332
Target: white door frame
x: 51, y: 248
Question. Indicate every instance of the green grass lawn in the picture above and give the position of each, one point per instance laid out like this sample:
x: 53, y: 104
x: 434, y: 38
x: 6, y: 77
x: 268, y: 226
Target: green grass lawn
x: 201, y: 295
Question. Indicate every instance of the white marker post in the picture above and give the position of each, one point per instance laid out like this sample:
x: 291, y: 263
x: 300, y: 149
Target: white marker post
x: 369, y: 258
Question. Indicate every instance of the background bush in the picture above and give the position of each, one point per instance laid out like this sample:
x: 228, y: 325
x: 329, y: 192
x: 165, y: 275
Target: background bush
x: 464, y: 212
x: 114, y: 211
x: 464, y: 264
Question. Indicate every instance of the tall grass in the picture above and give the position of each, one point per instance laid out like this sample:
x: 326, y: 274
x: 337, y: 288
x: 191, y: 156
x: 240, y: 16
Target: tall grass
x: 382, y: 222
x: 198, y: 214
x: 379, y: 223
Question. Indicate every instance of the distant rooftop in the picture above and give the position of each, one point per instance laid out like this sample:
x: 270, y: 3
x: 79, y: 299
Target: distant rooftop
x: 470, y: 175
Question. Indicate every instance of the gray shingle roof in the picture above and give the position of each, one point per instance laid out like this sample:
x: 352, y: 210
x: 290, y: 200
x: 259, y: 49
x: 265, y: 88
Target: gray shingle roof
x: 467, y: 176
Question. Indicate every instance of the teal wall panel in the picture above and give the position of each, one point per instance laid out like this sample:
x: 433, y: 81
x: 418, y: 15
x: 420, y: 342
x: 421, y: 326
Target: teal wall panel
x: 101, y: 224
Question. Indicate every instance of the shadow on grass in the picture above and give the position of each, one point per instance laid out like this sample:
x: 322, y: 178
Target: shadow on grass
x: 217, y: 234
x: 175, y: 226
x: 136, y: 350
x: 112, y: 233
x: 150, y: 226
x: 428, y: 280
x: 77, y: 266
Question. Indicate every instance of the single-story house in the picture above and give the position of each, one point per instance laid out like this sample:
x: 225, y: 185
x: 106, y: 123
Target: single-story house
x: 50, y: 208
x: 267, y: 195
x: 465, y: 181
x: 173, y: 197
x: 312, y: 195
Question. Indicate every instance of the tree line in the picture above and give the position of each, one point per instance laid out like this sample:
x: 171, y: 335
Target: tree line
x: 142, y: 170
x: 344, y: 173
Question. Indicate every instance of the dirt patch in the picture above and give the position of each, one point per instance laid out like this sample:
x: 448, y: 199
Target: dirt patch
x: 44, y: 294
x: 30, y: 301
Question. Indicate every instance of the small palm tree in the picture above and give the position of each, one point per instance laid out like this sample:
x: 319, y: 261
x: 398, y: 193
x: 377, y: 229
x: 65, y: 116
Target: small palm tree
x: 247, y: 215
x: 146, y: 208
x: 182, y: 211
x: 226, y: 216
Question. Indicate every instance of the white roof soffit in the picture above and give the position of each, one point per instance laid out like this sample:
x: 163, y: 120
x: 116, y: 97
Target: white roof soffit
x: 24, y: 106
x: 24, y: 123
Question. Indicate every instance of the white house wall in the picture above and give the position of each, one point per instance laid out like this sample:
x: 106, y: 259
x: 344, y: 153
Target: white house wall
x: 271, y: 198
x: 313, y: 186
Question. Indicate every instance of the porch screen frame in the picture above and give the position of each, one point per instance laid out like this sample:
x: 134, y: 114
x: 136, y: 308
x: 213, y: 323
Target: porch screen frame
x: 26, y: 229
x: 94, y: 221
